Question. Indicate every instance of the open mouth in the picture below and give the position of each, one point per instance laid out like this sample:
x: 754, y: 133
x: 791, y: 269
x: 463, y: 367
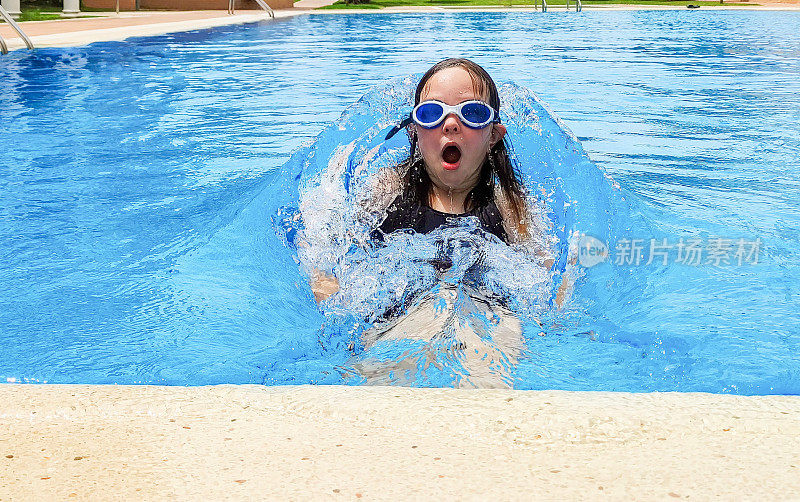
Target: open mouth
x: 451, y: 155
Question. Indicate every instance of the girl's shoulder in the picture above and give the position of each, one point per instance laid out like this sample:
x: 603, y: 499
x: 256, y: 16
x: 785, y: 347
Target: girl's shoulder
x: 381, y: 190
x: 532, y: 232
x: 516, y: 228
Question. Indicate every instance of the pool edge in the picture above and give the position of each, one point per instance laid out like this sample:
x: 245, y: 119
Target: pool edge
x: 86, y: 37
x: 245, y: 441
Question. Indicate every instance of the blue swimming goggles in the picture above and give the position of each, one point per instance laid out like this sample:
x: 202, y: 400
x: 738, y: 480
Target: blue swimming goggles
x: 429, y: 114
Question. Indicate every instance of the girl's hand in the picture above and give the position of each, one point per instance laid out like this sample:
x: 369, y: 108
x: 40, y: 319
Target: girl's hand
x: 323, y: 285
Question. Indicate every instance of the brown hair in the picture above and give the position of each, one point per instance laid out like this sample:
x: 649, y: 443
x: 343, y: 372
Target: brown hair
x: 496, y: 168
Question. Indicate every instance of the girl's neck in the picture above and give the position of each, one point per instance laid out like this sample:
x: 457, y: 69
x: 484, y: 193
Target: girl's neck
x: 448, y: 200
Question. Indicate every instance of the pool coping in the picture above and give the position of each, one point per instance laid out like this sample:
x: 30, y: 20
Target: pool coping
x: 558, y: 8
x: 74, y: 38
x: 311, y: 442
x: 71, y: 37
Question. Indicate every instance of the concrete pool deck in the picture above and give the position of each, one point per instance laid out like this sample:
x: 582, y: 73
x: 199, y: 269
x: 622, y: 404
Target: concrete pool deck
x: 82, y: 31
x: 384, y: 443
x: 112, y: 27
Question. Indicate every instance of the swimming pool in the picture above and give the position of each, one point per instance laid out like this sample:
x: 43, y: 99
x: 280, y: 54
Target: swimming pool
x: 137, y: 247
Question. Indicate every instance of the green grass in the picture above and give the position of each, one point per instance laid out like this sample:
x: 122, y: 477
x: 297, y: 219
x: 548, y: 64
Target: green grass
x: 703, y: 3
x: 55, y: 6
x: 36, y: 15
x: 380, y: 4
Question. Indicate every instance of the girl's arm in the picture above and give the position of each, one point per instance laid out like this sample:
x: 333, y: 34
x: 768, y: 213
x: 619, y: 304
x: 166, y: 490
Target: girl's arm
x: 379, y: 192
x: 520, y: 231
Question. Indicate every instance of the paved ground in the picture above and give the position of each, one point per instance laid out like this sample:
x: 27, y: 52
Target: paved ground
x: 125, y: 19
x: 250, y: 442
x: 75, y: 32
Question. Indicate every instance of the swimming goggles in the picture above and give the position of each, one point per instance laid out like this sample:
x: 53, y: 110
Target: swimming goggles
x: 429, y: 114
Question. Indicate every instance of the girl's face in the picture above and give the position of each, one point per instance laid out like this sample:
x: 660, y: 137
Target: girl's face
x: 454, y: 153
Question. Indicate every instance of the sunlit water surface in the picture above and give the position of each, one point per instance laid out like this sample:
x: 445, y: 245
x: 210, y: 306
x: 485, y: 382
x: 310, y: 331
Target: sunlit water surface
x: 150, y: 191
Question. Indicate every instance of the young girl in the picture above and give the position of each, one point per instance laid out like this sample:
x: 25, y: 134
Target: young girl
x: 458, y: 166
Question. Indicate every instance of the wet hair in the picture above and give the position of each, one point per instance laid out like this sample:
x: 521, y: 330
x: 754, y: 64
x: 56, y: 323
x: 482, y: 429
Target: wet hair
x: 497, y: 168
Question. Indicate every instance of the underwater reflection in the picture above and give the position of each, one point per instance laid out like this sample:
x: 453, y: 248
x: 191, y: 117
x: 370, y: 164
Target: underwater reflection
x: 451, y: 319
x: 457, y: 334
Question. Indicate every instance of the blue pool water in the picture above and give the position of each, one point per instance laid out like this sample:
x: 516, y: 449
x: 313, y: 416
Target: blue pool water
x: 144, y: 188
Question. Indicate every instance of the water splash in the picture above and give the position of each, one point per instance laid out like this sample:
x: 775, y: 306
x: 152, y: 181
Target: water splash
x: 416, y: 309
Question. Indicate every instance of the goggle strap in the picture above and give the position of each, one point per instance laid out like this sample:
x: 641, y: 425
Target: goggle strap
x: 402, y: 125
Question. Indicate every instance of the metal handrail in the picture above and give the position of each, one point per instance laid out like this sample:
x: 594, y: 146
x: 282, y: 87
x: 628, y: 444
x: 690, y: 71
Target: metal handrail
x: 536, y: 5
x: 7, y: 17
x: 3, y: 46
x: 261, y: 3
x: 578, y: 5
x: 266, y: 7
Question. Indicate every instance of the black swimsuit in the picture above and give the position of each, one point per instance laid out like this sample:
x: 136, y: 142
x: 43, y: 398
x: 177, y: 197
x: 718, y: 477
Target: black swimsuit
x: 405, y: 213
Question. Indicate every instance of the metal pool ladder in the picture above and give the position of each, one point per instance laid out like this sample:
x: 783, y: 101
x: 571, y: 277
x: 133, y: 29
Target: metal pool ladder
x: 261, y: 3
x: 578, y: 5
x: 544, y: 5
x: 7, y: 17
